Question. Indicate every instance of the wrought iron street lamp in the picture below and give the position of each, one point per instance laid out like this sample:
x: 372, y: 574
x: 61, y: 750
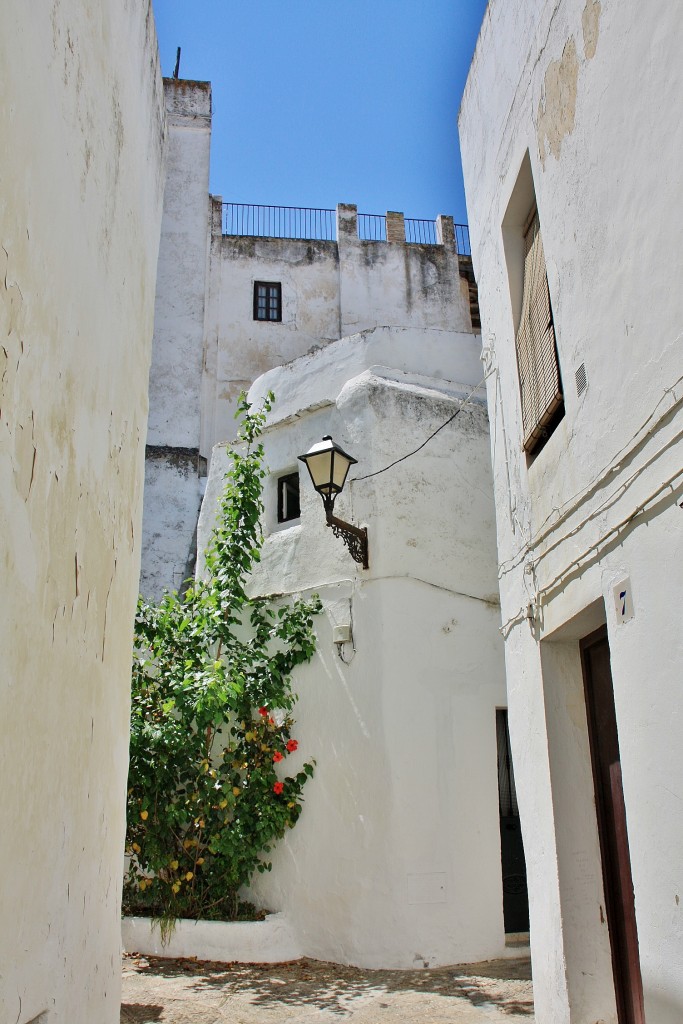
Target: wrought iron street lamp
x: 329, y: 466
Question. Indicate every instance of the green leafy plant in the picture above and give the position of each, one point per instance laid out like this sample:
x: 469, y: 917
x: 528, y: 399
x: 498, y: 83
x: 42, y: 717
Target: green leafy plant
x: 211, y: 719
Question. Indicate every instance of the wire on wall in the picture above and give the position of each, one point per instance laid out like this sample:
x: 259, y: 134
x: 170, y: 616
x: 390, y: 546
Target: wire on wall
x: 426, y: 442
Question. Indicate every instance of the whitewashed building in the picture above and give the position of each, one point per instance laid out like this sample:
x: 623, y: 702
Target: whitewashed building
x: 82, y: 136
x: 323, y: 276
x: 572, y: 147
x: 396, y: 859
x: 363, y: 327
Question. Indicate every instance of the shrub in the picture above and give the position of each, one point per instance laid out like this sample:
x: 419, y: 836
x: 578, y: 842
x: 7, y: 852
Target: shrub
x: 211, y: 722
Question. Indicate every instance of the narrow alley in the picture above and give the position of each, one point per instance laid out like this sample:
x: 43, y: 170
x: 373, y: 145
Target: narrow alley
x: 192, y: 992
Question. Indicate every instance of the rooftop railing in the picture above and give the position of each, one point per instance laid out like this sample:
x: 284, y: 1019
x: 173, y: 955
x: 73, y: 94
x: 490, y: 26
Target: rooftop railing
x: 279, y: 221
x: 315, y: 224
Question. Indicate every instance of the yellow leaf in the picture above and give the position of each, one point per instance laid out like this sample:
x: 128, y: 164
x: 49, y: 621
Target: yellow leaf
x: 236, y: 791
x: 174, y: 865
x: 144, y: 815
x: 188, y: 876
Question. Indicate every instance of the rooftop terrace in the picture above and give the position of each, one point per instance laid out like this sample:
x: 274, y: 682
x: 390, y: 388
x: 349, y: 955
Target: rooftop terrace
x: 310, y: 223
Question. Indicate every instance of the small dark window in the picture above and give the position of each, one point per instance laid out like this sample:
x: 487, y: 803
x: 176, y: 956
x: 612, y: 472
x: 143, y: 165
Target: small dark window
x: 288, y: 506
x: 267, y: 300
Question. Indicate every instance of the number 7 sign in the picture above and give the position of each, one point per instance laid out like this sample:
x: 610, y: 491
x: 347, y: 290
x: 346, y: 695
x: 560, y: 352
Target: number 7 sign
x: 623, y: 600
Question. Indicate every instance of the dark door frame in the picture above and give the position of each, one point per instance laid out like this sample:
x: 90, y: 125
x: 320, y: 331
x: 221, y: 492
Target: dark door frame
x: 612, y: 831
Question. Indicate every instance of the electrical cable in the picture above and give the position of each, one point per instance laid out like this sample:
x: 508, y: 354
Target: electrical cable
x: 424, y: 443
x: 570, y: 505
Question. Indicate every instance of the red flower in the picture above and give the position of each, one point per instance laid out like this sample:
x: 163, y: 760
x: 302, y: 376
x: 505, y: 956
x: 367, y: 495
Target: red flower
x: 292, y: 745
x: 263, y: 711
x: 278, y: 787
x: 272, y: 721
x: 277, y: 756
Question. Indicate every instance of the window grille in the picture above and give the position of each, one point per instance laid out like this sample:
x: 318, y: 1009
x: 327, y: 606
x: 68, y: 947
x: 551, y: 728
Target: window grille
x: 539, y: 371
x: 267, y: 300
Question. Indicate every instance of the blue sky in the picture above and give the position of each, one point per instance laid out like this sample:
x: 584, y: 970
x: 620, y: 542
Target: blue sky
x: 324, y: 101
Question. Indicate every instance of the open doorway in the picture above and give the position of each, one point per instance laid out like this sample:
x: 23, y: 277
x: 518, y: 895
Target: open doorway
x: 515, y: 896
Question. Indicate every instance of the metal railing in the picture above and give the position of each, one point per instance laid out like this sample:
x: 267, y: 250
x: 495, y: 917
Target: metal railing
x: 462, y: 240
x: 315, y: 224
x: 421, y: 231
x: 279, y: 221
x: 372, y: 227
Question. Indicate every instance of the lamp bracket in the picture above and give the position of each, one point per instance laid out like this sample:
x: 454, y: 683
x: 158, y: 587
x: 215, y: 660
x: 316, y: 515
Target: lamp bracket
x: 355, y: 538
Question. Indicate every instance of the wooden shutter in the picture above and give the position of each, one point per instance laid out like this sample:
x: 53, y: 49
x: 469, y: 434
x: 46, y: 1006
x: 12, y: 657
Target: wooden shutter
x: 539, y: 373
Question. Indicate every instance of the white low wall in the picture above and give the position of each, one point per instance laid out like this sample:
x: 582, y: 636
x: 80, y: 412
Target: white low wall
x: 270, y: 941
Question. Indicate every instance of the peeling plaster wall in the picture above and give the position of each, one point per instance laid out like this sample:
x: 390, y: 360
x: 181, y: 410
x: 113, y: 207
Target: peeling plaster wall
x: 395, y: 861
x: 82, y: 129
x: 329, y: 290
x: 246, y: 348
x: 590, y: 89
x: 175, y: 375
x: 172, y: 478
x: 395, y: 284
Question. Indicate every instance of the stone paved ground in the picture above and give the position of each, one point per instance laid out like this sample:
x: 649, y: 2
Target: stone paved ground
x: 313, y: 992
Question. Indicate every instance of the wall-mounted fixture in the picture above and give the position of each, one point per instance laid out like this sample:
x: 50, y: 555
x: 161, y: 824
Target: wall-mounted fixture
x: 329, y: 465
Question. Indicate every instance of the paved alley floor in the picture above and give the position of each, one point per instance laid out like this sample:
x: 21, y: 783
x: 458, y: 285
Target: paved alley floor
x: 314, y: 992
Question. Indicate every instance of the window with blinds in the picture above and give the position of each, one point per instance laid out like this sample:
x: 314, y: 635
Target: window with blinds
x: 539, y: 371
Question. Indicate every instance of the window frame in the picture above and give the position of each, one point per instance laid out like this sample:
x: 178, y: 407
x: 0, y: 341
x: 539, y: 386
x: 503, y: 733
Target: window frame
x: 273, y: 290
x: 538, y: 364
x: 281, y: 484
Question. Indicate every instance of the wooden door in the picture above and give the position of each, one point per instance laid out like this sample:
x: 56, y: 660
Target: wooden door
x: 611, y: 814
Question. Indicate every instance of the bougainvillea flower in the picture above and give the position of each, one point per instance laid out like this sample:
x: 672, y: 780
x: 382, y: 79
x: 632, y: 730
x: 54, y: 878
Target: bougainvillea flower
x: 263, y: 711
x: 278, y: 787
x: 277, y: 756
x: 292, y: 745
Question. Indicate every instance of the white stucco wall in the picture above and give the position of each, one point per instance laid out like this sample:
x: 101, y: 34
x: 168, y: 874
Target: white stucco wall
x: 208, y: 348
x: 174, y: 437
x: 395, y: 861
x: 590, y: 90
x: 246, y: 348
x: 175, y: 375
x: 82, y: 129
x: 395, y: 284
x: 329, y: 290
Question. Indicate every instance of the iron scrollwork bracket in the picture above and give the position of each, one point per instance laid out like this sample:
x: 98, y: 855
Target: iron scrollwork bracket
x: 355, y: 538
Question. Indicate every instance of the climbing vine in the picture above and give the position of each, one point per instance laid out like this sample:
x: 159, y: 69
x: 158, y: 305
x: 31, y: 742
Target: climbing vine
x: 211, y: 718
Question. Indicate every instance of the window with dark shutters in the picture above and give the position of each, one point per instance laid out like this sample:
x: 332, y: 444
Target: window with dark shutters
x: 539, y: 372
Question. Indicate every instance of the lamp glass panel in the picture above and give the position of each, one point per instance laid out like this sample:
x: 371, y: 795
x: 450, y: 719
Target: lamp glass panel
x: 319, y: 468
x: 340, y: 468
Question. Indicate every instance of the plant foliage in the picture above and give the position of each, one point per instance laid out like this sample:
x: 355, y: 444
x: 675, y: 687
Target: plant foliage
x: 211, y: 718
